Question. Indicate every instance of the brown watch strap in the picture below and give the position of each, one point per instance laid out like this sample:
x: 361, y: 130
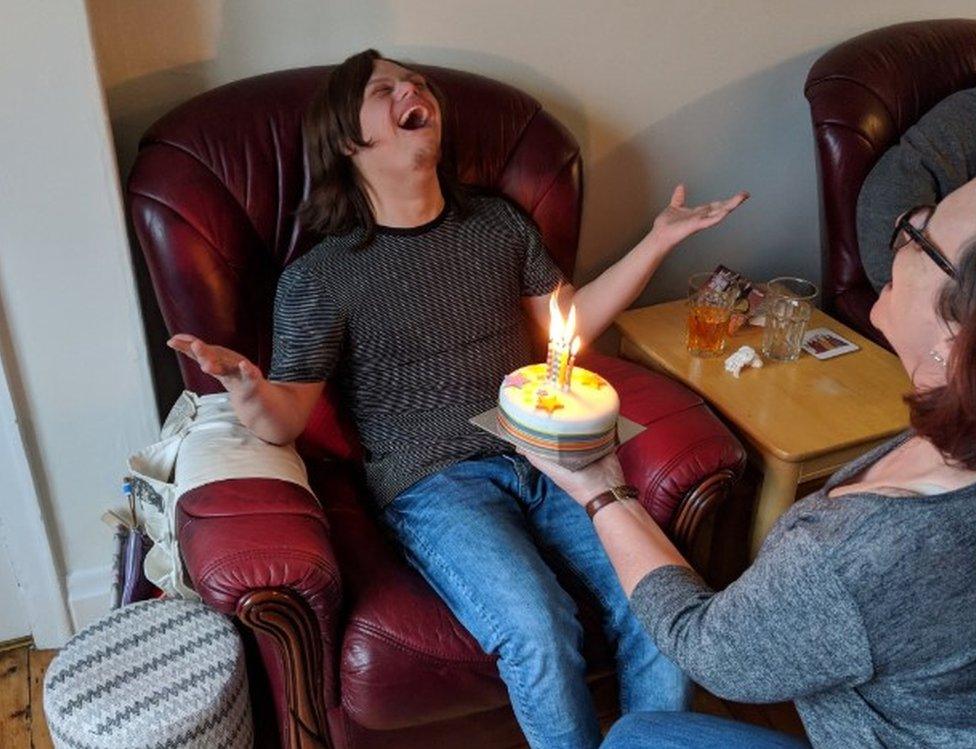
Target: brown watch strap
x: 609, y: 497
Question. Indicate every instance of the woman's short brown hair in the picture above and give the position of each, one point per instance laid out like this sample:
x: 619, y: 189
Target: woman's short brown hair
x: 946, y: 415
x: 337, y: 203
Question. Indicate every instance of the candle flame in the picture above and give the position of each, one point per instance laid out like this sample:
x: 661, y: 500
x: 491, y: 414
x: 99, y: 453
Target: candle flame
x: 560, y: 329
x: 574, y: 349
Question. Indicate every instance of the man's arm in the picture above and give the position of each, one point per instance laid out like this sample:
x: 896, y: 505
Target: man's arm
x: 275, y: 411
x: 600, y: 301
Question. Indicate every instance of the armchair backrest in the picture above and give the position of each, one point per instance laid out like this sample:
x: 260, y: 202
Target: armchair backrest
x: 864, y: 94
x: 217, y: 181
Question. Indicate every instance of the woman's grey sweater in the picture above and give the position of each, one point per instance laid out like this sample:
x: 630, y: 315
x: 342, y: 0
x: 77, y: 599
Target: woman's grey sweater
x: 862, y: 609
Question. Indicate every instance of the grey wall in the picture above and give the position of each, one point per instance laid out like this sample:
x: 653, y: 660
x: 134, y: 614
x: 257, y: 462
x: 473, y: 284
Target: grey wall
x: 709, y: 92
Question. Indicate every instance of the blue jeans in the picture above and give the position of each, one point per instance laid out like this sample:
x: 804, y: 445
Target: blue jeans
x: 474, y: 531
x: 694, y: 731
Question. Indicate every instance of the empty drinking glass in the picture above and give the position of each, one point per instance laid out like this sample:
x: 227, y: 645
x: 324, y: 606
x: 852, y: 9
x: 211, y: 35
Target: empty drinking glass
x: 788, y: 305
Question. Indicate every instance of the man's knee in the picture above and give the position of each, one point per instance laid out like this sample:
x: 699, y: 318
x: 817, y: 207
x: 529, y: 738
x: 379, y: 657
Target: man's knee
x: 542, y: 628
x: 631, y: 731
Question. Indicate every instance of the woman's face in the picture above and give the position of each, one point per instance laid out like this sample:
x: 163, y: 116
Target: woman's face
x: 906, y: 308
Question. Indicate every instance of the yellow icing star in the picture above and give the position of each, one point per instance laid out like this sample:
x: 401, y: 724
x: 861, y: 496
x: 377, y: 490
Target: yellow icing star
x: 591, y: 380
x: 548, y: 403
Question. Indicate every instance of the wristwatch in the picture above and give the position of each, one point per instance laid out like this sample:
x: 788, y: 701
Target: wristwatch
x: 615, y: 494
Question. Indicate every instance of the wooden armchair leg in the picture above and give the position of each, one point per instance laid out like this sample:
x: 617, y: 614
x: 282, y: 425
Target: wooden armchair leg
x: 697, y: 507
x: 287, y: 619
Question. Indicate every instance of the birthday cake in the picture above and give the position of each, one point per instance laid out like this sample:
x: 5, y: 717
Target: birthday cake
x: 575, y: 418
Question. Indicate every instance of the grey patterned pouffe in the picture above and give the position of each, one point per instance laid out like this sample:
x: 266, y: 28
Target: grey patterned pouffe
x: 165, y: 673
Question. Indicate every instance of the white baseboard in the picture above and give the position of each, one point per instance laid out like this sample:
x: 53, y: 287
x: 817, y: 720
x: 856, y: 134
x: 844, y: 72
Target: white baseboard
x: 89, y: 594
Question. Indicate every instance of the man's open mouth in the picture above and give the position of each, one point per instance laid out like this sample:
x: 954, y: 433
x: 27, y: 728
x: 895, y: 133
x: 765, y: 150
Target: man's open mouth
x: 414, y: 118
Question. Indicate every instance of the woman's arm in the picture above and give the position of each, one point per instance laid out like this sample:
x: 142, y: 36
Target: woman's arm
x: 786, y: 628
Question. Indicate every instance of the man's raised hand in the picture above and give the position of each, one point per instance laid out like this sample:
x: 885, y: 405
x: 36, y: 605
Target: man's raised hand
x: 679, y: 221
x: 234, y: 371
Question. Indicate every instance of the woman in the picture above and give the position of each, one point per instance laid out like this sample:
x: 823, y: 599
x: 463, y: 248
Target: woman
x: 861, y: 606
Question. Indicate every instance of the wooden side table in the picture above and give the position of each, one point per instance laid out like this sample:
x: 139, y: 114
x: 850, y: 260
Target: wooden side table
x: 801, y: 420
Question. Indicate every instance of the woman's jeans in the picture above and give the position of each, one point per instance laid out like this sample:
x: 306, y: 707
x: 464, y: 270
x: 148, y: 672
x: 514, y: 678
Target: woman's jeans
x: 694, y: 731
x: 475, y: 531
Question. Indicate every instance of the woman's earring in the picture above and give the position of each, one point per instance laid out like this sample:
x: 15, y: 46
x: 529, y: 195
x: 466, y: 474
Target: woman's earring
x: 939, y: 358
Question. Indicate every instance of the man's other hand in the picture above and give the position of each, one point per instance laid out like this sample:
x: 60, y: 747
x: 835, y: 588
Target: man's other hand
x: 235, y: 372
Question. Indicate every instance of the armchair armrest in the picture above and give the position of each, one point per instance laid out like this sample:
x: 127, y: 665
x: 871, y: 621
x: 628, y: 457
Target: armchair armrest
x: 260, y: 549
x: 686, y: 459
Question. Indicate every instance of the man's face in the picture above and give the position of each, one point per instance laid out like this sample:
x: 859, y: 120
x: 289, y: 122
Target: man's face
x: 402, y: 120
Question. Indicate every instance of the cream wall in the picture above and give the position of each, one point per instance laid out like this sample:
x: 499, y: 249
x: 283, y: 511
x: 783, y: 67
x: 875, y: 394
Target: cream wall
x: 708, y: 91
x: 75, y: 391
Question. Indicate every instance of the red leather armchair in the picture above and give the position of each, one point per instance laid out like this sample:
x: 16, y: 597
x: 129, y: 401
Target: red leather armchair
x: 352, y: 646
x: 864, y: 94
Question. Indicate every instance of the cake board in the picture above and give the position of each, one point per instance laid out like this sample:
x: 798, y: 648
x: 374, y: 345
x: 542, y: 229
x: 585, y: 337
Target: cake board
x: 626, y: 431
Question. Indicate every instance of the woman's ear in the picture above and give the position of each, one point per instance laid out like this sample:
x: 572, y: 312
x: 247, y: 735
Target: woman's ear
x: 347, y: 148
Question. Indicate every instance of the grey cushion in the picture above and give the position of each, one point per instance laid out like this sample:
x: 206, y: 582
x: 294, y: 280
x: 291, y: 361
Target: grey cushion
x: 153, y: 674
x: 934, y: 157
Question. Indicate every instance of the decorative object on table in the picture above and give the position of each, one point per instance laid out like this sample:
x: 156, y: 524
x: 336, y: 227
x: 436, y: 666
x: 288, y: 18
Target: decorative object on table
x: 557, y: 410
x: 746, y: 356
x: 824, y: 343
x: 787, y: 309
x: 162, y: 673
x: 202, y: 441
x: 748, y: 296
x: 711, y: 297
x: 751, y: 308
x: 132, y: 545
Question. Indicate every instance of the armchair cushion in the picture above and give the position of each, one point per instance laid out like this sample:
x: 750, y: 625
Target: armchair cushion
x: 404, y: 658
x: 934, y: 156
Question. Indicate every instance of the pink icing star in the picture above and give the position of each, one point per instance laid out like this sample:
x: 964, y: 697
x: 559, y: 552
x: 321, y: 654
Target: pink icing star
x: 515, y: 380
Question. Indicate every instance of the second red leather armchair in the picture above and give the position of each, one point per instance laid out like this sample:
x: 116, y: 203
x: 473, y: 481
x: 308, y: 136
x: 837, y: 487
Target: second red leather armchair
x: 864, y: 94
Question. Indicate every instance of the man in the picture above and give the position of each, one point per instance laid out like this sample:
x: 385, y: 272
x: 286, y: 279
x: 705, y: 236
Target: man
x: 418, y: 301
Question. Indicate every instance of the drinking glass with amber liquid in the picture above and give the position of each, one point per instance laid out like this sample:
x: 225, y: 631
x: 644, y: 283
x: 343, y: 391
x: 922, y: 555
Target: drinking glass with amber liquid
x: 709, y: 309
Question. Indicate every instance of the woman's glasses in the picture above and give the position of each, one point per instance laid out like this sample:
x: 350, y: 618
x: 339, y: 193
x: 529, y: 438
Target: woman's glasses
x: 910, y: 227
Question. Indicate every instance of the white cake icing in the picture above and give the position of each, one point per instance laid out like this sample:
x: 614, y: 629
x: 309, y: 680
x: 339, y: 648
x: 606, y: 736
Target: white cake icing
x: 543, y: 416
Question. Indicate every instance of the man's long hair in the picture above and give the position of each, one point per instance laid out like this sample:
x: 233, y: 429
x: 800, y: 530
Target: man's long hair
x: 337, y: 201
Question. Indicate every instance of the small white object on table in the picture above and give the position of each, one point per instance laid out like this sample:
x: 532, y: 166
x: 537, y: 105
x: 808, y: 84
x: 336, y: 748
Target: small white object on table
x: 744, y: 357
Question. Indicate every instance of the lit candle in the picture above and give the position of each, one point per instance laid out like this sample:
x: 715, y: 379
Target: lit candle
x: 560, y: 333
x: 573, y: 351
x: 555, y: 336
x: 561, y: 373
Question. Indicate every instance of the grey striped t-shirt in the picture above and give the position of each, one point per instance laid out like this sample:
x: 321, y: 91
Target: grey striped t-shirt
x: 418, y: 328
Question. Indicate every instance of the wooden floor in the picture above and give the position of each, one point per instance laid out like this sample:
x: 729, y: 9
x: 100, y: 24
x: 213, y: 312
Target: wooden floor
x: 781, y: 716
x: 22, y: 723
x: 21, y: 713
